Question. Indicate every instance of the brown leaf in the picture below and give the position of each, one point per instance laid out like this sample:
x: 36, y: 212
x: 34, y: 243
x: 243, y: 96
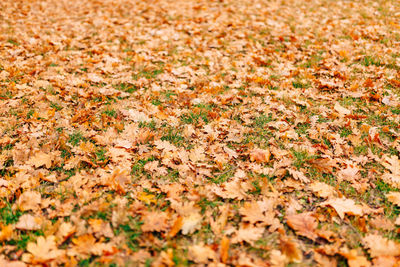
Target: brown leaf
x: 249, y: 234
x: 154, y: 221
x: 380, y: 246
x: 344, y: 206
x: 304, y: 224
x: 176, y: 227
x: 44, y: 249
x: 224, y: 249
x: 291, y: 250
x: 260, y: 155
x: 324, y: 165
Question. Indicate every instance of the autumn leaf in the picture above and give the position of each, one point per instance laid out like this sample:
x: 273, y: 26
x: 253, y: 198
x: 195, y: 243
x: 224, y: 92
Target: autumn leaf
x: 44, y: 249
x: 154, y: 221
x: 344, y: 206
x: 6, y: 232
x: 304, y: 224
x: 291, y: 250
x: 260, y: 155
x: 224, y: 249
x: 201, y: 253
x: 380, y: 246
x: 249, y: 235
x: 28, y: 222
x: 29, y: 200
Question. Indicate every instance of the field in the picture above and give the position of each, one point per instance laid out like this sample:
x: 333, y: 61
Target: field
x: 199, y: 133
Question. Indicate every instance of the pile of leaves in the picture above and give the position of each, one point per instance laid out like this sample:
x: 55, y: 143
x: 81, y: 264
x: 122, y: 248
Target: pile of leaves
x: 185, y: 132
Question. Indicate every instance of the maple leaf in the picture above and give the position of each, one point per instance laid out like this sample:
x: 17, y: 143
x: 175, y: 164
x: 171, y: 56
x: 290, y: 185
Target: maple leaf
x: 344, y: 206
x: 304, y: 224
x: 353, y: 259
x: 29, y: 200
x: 146, y: 198
x: 44, y: 249
x: 83, y: 245
x: 380, y: 246
x: 28, y: 222
x: 65, y: 230
x: 5, y: 263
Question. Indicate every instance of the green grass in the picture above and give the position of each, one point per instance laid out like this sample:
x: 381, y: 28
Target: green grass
x: 370, y: 61
x: 110, y: 113
x: 301, y: 158
x: 173, y: 136
x: 75, y: 138
x: 195, y: 118
x: 8, y: 215
x: 126, y: 87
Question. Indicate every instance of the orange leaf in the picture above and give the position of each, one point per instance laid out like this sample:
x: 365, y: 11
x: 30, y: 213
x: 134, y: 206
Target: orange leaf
x: 304, y: 224
x: 176, y: 227
x: 224, y: 248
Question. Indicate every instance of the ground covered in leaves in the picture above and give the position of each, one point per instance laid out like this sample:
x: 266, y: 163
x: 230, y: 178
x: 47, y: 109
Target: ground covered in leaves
x: 220, y: 133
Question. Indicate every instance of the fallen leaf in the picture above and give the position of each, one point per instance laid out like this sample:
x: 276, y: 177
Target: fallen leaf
x: 249, y: 235
x: 344, y: 206
x: 44, y: 250
x: 201, y: 253
x: 28, y: 222
x: 304, y: 224
x: 224, y: 249
x: 380, y: 246
x: 260, y: 155
x: 394, y: 197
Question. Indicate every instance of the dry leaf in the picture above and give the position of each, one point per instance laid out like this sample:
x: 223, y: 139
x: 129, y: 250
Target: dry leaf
x: 304, y: 224
x: 344, y: 206
x: 380, y: 246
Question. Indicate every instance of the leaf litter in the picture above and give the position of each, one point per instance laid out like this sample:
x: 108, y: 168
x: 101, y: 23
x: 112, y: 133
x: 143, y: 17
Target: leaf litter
x: 220, y: 133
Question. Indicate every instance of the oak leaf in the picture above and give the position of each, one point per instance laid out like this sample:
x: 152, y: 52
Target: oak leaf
x: 322, y: 189
x: 324, y: 165
x: 393, y: 165
x: 291, y: 250
x: 344, y: 206
x: 394, y: 197
x: 249, y: 234
x: 201, y: 253
x: 41, y: 159
x: 304, y: 224
x: 154, y: 221
x: 260, y: 155
x: 191, y: 223
x: 44, y: 249
x: 380, y: 246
